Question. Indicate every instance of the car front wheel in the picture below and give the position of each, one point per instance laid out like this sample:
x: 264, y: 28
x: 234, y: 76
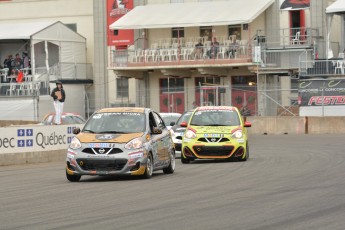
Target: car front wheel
x: 246, y: 157
x: 171, y: 168
x: 149, y: 168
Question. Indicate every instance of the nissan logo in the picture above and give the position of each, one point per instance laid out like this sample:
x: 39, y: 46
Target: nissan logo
x: 101, y: 151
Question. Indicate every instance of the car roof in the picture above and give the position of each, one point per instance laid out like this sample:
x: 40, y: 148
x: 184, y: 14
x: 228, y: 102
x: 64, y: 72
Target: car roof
x: 169, y: 114
x: 63, y: 114
x: 216, y: 108
x: 122, y: 109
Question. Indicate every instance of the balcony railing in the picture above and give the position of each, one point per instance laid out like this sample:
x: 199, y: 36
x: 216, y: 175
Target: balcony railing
x: 65, y: 71
x: 331, y: 67
x: 224, y: 54
x: 288, y: 38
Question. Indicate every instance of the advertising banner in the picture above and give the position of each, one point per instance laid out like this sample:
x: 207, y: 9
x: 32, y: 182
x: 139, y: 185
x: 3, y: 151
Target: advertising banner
x: 115, y: 10
x: 21, y: 139
x: 294, y: 4
x: 321, y: 92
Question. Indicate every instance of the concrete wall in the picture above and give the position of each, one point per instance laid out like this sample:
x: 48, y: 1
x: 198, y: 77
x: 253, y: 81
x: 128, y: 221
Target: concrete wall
x: 296, y: 125
x: 50, y: 143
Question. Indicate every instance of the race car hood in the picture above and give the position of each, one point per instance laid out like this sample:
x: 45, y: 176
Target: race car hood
x: 215, y: 129
x: 117, y: 138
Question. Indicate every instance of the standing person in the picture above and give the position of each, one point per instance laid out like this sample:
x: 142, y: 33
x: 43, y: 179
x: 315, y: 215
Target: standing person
x: 59, y: 96
x: 197, y: 53
x: 212, y: 53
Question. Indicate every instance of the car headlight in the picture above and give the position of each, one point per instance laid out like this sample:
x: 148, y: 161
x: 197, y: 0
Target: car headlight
x: 135, y: 144
x: 75, y: 143
x: 237, y: 134
x: 190, y: 134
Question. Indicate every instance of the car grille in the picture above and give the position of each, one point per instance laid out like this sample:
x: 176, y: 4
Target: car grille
x: 106, y: 150
x: 217, y: 139
x: 213, y: 150
x: 102, y: 165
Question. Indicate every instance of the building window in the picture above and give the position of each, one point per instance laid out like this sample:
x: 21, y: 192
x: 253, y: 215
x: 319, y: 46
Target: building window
x: 206, y: 31
x: 235, y: 30
x: 72, y: 26
x: 171, y: 85
x: 122, y: 87
x: 177, y: 32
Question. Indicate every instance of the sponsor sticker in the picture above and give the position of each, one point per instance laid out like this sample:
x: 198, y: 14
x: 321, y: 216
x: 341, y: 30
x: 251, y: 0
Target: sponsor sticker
x: 215, y: 135
x: 101, y: 145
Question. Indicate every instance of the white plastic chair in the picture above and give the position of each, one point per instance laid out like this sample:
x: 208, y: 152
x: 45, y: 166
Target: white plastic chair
x: 3, y: 74
x: 173, y: 56
x: 185, y: 53
x: 137, y: 55
x: 222, y: 52
x: 12, y: 90
x: 339, y: 66
x: 296, y: 40
x: 162, y: 55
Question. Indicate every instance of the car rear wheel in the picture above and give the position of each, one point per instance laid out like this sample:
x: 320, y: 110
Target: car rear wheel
x: 73, y: 178
x: 171, y: 168
x: 149, y: 168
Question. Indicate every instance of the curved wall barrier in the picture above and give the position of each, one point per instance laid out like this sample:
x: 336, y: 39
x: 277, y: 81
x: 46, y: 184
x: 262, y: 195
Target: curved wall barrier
x: 38, y: 143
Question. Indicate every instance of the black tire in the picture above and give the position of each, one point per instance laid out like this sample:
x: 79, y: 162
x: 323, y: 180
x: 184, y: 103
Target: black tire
x: 171, y: 168
x: 73, y: 178
x: 149, y: 168
x: 184, y: 160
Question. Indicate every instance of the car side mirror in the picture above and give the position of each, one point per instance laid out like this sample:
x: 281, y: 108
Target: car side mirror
x: 247, y: 124
x: 183, y: 124
x: 172, y: 123
x: 76, y: 131
x: 157, y: 130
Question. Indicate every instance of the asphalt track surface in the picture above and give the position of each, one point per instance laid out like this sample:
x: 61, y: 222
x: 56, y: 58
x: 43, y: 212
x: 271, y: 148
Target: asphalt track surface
x: 289, y: 182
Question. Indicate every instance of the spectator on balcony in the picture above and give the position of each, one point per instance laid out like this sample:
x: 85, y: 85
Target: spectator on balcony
x: 234, y: 46
x: 212, y: 53
x: 9, y: 63
x: 26, y: 63
x: 198, y: 50
x: 18, y: 64
x: 26, y: 60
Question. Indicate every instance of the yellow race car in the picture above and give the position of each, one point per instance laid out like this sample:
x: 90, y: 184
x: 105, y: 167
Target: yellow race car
x: 215, y: 132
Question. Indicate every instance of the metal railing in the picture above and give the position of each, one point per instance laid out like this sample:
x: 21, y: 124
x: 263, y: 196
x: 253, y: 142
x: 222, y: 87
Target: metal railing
x: 288, y: 38
x: 331, y: 67
x: 65, y: 71
x: 24, y: 89
x: 181, y: 55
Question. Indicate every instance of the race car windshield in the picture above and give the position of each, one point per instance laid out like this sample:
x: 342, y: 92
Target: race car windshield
x: 116, y: 122
x: 168, y: 119
x: 215, y: 118
x: 184, y: 118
